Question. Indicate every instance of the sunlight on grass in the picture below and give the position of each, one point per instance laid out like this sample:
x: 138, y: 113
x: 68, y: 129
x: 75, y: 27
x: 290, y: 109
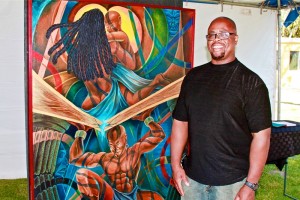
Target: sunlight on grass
x: 272, y: 181
x: 13, y: 189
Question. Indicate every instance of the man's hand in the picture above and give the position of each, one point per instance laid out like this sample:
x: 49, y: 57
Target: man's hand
x: 179, y: 176
x: 245, y: 193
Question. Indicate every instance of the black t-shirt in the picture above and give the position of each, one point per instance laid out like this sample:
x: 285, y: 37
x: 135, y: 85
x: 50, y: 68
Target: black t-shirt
x: 223, y: 105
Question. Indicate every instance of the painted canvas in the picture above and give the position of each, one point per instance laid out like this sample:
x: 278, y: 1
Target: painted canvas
x: 103, y: 79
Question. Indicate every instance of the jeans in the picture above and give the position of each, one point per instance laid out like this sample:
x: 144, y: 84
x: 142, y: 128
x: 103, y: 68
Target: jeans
x: 198, y: 191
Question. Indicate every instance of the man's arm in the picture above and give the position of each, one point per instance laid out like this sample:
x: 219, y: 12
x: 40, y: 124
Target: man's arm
x: 258, y: 156
x: 179, y: 138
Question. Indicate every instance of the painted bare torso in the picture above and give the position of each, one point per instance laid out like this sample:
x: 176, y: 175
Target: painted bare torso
x: 122, y: 171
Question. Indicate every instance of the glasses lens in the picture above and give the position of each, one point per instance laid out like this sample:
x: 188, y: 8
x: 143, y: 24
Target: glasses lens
x: 223, y: 35
x: 211, y: 37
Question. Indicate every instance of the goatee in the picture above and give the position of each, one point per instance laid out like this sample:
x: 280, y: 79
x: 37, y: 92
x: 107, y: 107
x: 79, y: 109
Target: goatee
x: 218, y: 57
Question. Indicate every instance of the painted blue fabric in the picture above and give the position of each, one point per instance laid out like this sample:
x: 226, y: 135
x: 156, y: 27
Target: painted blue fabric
x: 131, y: 80
x: 123, y: 196
x: 114, y: 102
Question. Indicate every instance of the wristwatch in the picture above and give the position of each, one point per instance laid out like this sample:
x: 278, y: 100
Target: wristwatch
x: 253, y: 186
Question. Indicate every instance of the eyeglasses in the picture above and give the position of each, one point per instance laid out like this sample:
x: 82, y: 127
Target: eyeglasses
x: 221, y: 36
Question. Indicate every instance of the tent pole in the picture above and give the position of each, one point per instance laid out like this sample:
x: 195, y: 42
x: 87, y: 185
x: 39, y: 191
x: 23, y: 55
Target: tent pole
x: 279, y: 61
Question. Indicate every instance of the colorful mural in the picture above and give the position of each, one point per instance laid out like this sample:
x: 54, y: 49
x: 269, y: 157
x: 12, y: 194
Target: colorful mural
x: 103, y: 81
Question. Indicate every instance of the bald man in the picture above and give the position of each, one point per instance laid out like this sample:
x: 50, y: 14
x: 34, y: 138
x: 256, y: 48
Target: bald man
x: 223, y: 113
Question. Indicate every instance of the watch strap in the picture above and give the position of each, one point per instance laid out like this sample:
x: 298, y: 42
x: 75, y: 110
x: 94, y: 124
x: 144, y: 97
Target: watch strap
x: 253, y: 186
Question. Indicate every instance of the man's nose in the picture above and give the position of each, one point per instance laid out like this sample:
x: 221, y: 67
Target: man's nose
x: 217, y: 37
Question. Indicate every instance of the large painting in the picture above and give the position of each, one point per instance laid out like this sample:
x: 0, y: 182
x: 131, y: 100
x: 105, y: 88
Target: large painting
x: 103, y: 79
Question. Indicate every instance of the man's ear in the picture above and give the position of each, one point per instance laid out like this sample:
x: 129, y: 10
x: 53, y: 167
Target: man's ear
x: 236, y: 39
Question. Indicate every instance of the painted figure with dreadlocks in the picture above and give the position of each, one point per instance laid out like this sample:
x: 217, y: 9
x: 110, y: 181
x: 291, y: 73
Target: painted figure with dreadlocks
x: 111, y: 86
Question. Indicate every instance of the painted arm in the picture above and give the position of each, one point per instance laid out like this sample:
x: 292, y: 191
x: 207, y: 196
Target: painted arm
x: 179, y: 138
x: 258, y: 156
x: 119, y: 36
x: 77, y: 155
x: 121, y: 49
x: 132, y: 98
x: 153, y: 137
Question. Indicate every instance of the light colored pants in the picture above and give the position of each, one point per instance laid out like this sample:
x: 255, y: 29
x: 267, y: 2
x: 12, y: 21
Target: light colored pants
x: 198, y: 191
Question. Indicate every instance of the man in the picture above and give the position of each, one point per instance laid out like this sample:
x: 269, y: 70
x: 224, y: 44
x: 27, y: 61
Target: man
x: 121, y: 164
x: 223, y: 113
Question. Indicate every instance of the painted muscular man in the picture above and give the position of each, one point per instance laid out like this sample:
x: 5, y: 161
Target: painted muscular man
x: 121, y: 165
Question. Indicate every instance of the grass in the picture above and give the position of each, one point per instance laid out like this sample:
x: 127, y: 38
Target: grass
x: 272, y: 181
x: 271, y: 184
x: 13, y: 189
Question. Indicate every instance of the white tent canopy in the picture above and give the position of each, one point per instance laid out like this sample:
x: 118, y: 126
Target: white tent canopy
x: 268, y: 4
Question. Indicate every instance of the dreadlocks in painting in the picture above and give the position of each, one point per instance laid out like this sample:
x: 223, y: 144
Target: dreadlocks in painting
x: 87, y: 45
x: 91, y: 60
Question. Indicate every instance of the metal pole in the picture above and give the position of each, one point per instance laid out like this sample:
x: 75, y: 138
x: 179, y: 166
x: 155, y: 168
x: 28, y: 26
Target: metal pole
x: 279, y: 60
x: 231, y: 3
